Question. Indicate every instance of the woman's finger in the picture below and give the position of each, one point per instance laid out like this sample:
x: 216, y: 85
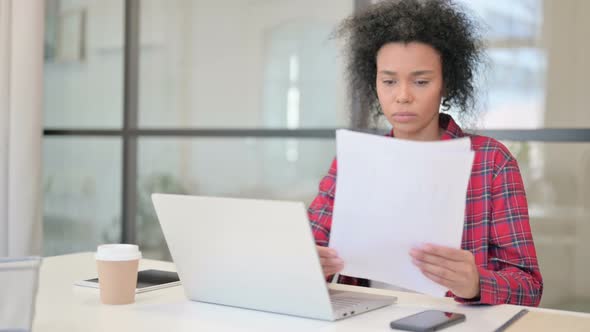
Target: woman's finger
x: 439, y: 271
x: 424, y: 257
x: 331, y: 262
x: 326, y: 252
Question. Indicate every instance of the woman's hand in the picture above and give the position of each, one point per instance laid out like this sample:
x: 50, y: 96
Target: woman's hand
x: 331, y: 263
x: 452, y: 268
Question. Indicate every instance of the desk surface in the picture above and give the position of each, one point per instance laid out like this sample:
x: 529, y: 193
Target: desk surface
x: 61, y: 306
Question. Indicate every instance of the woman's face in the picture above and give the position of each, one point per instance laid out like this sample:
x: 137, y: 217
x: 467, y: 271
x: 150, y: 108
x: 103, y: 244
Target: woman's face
x: 410, y: 88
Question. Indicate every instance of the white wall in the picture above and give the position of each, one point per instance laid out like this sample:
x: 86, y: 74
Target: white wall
x: 563, y: 224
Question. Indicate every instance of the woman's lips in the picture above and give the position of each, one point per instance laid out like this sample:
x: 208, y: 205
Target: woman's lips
x: 404, y: 116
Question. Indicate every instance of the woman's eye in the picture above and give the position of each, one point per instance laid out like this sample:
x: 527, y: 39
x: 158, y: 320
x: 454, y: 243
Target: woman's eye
x: 421, y: 82
x: 388, y: 82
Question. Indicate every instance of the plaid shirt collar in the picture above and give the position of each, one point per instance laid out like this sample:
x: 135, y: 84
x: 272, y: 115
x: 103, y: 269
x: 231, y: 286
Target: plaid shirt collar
x: 446, y: 122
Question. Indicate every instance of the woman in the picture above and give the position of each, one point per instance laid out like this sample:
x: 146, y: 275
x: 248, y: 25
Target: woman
x: 408, y: 58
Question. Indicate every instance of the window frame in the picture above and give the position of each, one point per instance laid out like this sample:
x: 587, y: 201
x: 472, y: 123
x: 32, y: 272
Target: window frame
x: 130, y: 133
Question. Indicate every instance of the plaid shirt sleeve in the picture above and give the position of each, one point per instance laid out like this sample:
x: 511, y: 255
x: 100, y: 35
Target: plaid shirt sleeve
x: 512, y: 273
x: 320, y: 209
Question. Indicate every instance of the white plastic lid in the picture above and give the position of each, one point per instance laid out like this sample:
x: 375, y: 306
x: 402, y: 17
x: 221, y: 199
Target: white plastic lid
x: 117, y: 252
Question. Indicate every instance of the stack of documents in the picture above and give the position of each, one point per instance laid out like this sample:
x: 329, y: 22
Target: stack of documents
x: 393, y: 195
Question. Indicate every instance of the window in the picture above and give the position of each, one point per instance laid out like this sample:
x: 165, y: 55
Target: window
x: 241, y: 98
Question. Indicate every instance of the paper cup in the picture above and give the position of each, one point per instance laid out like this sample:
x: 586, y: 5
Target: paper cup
x: 117, y: 266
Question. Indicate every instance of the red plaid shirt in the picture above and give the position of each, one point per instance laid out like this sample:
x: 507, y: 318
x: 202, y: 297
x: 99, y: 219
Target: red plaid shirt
x: 496, y: 228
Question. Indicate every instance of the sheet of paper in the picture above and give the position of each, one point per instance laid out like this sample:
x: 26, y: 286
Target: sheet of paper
x: 392, y: 195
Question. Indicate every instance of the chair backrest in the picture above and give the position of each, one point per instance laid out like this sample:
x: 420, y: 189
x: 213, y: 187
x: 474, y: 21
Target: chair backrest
x: 18, y: 289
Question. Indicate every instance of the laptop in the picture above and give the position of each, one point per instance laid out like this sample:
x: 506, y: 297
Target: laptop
x: 254, y: 254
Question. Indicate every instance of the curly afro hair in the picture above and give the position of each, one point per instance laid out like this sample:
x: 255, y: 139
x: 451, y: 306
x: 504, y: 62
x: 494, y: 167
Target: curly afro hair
x: 438, y: 23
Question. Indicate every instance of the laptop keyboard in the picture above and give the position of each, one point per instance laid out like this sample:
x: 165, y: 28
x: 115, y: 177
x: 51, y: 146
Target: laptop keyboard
x: 345, y: 302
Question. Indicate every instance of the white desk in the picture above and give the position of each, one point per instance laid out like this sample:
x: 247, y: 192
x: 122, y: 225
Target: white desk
x: 63, y: 307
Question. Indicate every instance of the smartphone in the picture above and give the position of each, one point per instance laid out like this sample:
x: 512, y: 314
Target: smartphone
x: 147, y: 280
x: 429, y: 320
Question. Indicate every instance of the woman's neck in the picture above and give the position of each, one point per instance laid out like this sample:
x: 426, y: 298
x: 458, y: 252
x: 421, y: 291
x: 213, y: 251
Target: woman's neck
x: 428, y: 134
